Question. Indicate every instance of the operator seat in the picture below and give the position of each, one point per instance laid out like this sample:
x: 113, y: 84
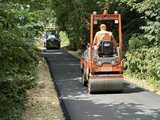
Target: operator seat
x: 106, y: 49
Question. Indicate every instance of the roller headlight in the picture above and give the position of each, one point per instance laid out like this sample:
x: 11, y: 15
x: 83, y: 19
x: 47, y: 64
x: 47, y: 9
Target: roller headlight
x: 113, y: 62
x: 99, y: 63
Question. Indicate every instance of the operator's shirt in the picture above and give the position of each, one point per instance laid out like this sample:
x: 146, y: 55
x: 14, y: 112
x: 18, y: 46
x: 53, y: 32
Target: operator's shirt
x: 103, y: 35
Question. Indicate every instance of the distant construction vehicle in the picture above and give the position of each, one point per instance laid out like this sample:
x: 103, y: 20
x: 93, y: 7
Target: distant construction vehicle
x: 101, y: 64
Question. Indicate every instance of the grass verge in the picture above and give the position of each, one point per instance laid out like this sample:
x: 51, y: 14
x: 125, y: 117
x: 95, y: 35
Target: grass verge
x: 42, y: 101
x: 148, y: 84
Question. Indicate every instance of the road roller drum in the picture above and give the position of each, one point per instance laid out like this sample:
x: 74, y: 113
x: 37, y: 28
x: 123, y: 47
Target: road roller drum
x: 102, y: 84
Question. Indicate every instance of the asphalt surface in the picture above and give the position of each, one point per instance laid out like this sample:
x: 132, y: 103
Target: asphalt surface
x: 133, y: 104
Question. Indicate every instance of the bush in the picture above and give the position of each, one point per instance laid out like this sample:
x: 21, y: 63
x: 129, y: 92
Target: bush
x: 19, y: 25
x: 144, y: 62
x: 143, y: 56
x: 137, y: 41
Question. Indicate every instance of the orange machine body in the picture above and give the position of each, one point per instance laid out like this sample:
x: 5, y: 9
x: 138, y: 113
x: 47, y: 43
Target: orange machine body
x: 89, y: 63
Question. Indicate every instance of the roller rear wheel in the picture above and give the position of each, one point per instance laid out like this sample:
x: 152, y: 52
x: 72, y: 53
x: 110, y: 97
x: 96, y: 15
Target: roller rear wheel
x: 95, y: 86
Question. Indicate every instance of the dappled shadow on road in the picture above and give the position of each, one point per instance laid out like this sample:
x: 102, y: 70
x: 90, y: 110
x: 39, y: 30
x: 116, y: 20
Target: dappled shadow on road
x: 131, y: 104
x: 114, y: 111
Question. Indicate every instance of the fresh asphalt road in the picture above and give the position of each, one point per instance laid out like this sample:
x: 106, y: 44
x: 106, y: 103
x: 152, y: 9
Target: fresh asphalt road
x: 132, y: 104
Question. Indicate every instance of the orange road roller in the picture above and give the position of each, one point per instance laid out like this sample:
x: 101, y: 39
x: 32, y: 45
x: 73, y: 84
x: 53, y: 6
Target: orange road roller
x: 101, y: 57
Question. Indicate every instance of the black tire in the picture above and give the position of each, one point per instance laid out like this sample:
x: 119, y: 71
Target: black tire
x: 81, y: 67
x: 89, y: 88
x: 84, y: 80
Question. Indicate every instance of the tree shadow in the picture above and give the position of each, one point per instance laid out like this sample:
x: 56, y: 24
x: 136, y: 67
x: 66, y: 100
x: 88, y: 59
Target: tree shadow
x: 110, y: 111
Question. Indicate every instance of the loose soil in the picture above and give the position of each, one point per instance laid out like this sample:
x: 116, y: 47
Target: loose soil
x: 42, y: 101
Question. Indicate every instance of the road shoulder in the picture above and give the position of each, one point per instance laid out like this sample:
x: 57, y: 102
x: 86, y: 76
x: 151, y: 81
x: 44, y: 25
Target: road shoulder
x: 42, y: 101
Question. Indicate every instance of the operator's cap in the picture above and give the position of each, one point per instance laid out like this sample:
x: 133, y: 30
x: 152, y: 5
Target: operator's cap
x: 102, y: 25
